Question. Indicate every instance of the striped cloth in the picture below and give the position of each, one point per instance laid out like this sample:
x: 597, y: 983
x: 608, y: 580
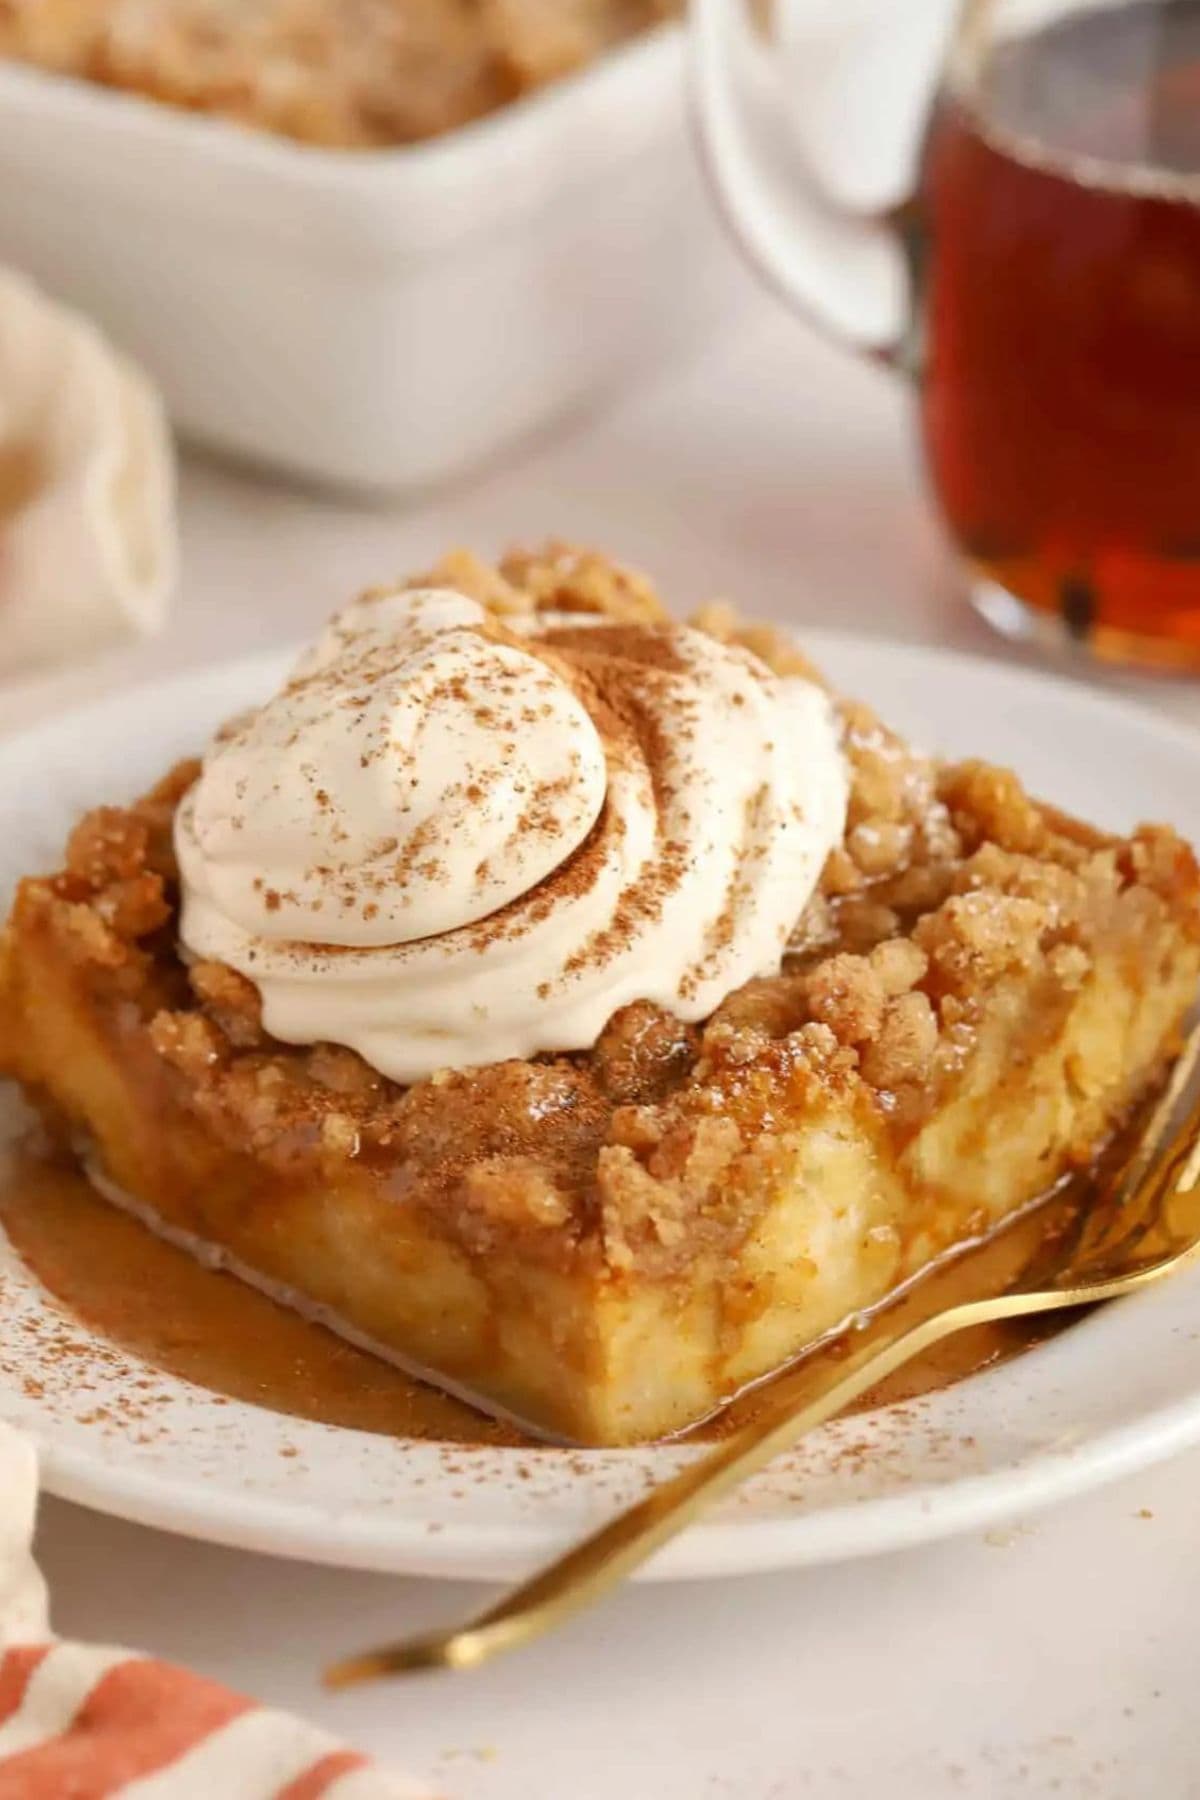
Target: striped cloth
x: 81, y: 1722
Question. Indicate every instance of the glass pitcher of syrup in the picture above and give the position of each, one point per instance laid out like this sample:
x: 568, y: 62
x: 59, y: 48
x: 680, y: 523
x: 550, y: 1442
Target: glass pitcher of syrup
x: 1001, y: 197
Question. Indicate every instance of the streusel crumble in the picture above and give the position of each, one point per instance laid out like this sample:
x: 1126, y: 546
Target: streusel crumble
x: 609, y: 1240
x: 346, y: 74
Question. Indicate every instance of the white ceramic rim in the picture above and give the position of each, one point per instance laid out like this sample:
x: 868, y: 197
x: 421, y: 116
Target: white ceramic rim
x: 1035, y: 1440
x: 494, y: 143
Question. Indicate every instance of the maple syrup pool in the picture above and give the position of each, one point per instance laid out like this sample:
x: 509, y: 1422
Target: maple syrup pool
x: 207, y: 1327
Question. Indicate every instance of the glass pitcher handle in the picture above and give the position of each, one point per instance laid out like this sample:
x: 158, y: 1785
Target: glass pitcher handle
x: 811, y: 134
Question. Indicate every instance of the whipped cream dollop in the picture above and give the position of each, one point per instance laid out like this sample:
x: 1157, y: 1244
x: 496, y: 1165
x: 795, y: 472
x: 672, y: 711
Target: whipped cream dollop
x: 453, y: 839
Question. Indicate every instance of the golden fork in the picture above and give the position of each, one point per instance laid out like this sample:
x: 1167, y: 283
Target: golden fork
x: 1124, y: 1242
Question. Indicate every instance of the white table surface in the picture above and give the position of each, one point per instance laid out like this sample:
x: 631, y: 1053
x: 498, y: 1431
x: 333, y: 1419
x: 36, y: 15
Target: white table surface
x: 1058, y: 1658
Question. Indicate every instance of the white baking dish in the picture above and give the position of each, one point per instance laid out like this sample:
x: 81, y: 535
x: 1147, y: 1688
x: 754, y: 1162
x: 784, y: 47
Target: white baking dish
x: 377, y: 319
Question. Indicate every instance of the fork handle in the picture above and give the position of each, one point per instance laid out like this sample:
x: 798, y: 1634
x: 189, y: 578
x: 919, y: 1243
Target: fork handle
x: 601, y: 1561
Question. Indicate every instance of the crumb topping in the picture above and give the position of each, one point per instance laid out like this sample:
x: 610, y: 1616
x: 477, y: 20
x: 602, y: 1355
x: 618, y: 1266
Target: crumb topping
x: 953, y: 890
x: 345, y: 74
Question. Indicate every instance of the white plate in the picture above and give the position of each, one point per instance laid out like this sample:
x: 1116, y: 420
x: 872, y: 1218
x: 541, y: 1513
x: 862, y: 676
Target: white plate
x: 1115, y: 1392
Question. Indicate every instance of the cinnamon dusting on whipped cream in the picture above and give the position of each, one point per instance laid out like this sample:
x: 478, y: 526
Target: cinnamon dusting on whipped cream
x: 452, y: 839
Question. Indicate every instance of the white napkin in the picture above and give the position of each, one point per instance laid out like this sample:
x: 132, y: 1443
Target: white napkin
x: 22, y: 1592
x: 88, y: 549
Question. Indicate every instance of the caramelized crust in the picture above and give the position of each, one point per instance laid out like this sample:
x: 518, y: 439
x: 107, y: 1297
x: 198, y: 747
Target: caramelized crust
x: 965, y: 940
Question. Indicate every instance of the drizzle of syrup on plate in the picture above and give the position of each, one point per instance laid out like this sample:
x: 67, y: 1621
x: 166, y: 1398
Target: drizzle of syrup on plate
x: 206, y: 1327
